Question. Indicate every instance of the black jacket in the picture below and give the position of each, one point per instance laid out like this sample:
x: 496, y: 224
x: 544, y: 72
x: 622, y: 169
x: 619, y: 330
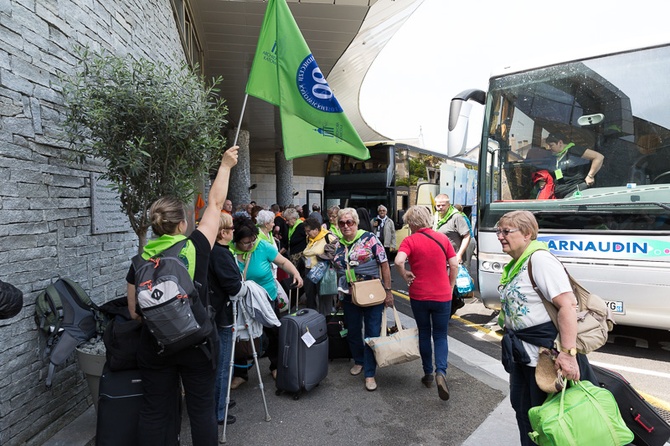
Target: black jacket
x: 225, y: 280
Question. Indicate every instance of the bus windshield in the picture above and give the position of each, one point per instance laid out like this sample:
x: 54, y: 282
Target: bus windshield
x: 611, y: 168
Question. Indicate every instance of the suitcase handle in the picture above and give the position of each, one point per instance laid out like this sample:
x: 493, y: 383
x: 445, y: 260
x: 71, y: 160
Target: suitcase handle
x: 641, y: 421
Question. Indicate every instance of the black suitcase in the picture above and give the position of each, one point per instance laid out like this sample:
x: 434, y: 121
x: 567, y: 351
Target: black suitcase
x: 338, y: 344
x: 119, y: 403
x: 301, y: 368
x: 640, y: 417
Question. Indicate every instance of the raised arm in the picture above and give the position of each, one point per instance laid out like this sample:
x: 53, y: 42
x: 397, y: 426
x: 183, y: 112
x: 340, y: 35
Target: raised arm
x: 209, y: 224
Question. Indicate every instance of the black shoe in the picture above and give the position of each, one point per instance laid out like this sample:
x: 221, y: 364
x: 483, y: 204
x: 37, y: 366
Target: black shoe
x: 442, y: 389
x: 427, y: 380
x: 229, y: 420
x: 231, y: 404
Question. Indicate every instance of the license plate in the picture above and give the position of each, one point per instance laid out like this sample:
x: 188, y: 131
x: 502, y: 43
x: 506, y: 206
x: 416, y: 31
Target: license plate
x: 615, y: 305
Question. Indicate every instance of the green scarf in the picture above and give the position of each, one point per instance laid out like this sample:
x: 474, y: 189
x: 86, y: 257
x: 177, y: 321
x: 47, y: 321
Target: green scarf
x: 291, y: 230
x: 160, y: 244
x: 245, y: 254
x: 562, y: 153
x: 267, y: 238
x: 356, y: 237
x: 512, y: 268
x: 335, y: 230
x: 451, y: 211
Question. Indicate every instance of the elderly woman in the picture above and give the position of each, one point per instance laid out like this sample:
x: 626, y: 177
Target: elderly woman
x: 255, y: 258
x: 365, y: 255
x: 265, y: 220
x: 431, y: 281
x: 331, y: 225
x: 527, y: 323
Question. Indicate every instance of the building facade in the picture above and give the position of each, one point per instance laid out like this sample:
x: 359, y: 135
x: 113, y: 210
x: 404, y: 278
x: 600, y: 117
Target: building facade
x: 47, y: 225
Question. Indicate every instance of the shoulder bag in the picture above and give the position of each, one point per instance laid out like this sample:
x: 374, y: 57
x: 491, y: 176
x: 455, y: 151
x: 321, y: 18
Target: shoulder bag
x: 397, y: 348
x: 365, y: 293
x: 594, y: 318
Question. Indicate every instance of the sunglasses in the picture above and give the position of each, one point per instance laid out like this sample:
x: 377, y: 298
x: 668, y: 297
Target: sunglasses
x: 348, y: 223
x: 506, y: 232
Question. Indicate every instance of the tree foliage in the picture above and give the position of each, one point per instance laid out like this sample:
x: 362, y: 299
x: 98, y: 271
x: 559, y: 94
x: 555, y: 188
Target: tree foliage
x: 158, y: 128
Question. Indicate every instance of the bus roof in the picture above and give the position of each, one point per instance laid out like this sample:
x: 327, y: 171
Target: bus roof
x: 583, y: 52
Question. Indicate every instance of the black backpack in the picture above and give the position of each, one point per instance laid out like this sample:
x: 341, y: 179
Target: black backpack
x: 168, y: 301
x: 67, y: 317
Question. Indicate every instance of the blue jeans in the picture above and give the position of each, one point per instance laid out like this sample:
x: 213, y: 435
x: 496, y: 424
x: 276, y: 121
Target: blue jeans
x: 432, y: 320
x: 354, y: 317
x: 524, y: 394
x: 223, y: 370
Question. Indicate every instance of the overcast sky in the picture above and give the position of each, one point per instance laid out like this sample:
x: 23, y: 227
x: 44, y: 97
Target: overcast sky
x: 447, y: 47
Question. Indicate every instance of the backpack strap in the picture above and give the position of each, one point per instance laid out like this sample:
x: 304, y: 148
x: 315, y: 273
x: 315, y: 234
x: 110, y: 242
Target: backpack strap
x: 549, y: 306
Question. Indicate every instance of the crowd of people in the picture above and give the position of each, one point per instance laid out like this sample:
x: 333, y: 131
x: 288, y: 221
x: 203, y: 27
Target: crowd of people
x: 279, y: 249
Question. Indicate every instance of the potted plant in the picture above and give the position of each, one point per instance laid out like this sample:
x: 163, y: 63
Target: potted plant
x: 158, y: 128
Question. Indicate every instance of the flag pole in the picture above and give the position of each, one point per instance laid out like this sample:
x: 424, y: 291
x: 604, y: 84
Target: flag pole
x: 244, y: 105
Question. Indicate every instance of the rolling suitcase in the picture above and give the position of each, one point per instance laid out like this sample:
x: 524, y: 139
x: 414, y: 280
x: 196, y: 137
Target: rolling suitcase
x: 640, y: 417
x: 303, y: 352
x: 338, y: 344
x: 119, y: 403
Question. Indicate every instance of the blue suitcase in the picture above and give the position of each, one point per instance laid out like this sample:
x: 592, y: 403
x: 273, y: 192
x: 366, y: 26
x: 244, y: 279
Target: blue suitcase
x: 301, y: 367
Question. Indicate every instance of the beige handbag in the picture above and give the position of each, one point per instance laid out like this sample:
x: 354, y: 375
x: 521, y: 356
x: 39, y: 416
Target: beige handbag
x: 366, y: 293
x: 398, y: 348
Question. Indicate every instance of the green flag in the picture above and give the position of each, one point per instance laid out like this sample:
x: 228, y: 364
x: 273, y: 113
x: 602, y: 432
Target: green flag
x: 284, y: 73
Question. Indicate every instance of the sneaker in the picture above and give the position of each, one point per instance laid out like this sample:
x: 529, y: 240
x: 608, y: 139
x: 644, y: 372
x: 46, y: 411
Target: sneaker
x: 442, y: 389
x: 370, y: 384
x: 356, y: 369
x: 230, y: 419
x: 427, y: 380
x: 237, y: 382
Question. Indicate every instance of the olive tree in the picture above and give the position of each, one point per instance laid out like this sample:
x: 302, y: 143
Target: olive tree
x: 158, y: 128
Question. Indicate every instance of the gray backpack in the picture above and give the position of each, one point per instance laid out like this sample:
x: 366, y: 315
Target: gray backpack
x: 168, y: 301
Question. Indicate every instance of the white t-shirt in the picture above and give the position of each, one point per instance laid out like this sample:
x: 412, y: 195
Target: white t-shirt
x: 523, y: 307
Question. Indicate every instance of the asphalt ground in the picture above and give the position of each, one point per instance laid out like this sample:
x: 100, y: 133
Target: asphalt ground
x: 341, y: 412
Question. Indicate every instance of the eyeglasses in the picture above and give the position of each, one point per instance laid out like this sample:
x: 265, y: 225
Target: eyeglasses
x: 344, y: 223
x: 226, y: 227
x: 505, y: 232
x: 249, y: 243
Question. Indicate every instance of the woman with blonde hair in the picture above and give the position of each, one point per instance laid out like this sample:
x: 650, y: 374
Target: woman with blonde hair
x: 431, y: 281
x: 361, y: 252
x: 194, y: 367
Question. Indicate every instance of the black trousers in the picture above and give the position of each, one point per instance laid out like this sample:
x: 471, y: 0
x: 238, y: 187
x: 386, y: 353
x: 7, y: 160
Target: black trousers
x: 160, y: 379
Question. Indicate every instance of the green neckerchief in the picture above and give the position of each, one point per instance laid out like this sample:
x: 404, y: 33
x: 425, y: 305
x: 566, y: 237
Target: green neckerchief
x: 160, y: 244
x: 291, y: 230
x: 245, y: 254
x: 336, y: 231
x: 562, y: 153
x: 512, y: 268
x: 356, y: 237
x: 349, y: 273
x: 451, y: 211
x: 266, y: 237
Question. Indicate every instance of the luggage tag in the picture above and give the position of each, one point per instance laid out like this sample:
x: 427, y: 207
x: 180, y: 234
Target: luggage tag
x: 308, y: 339
x: 343, y: 333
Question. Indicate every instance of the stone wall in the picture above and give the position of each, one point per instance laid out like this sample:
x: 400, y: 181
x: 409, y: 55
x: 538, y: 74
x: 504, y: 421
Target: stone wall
x: 45, y: 201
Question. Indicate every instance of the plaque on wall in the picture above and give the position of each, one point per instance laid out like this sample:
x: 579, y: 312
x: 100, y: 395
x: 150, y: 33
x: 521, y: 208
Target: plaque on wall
x: 106, y: 208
